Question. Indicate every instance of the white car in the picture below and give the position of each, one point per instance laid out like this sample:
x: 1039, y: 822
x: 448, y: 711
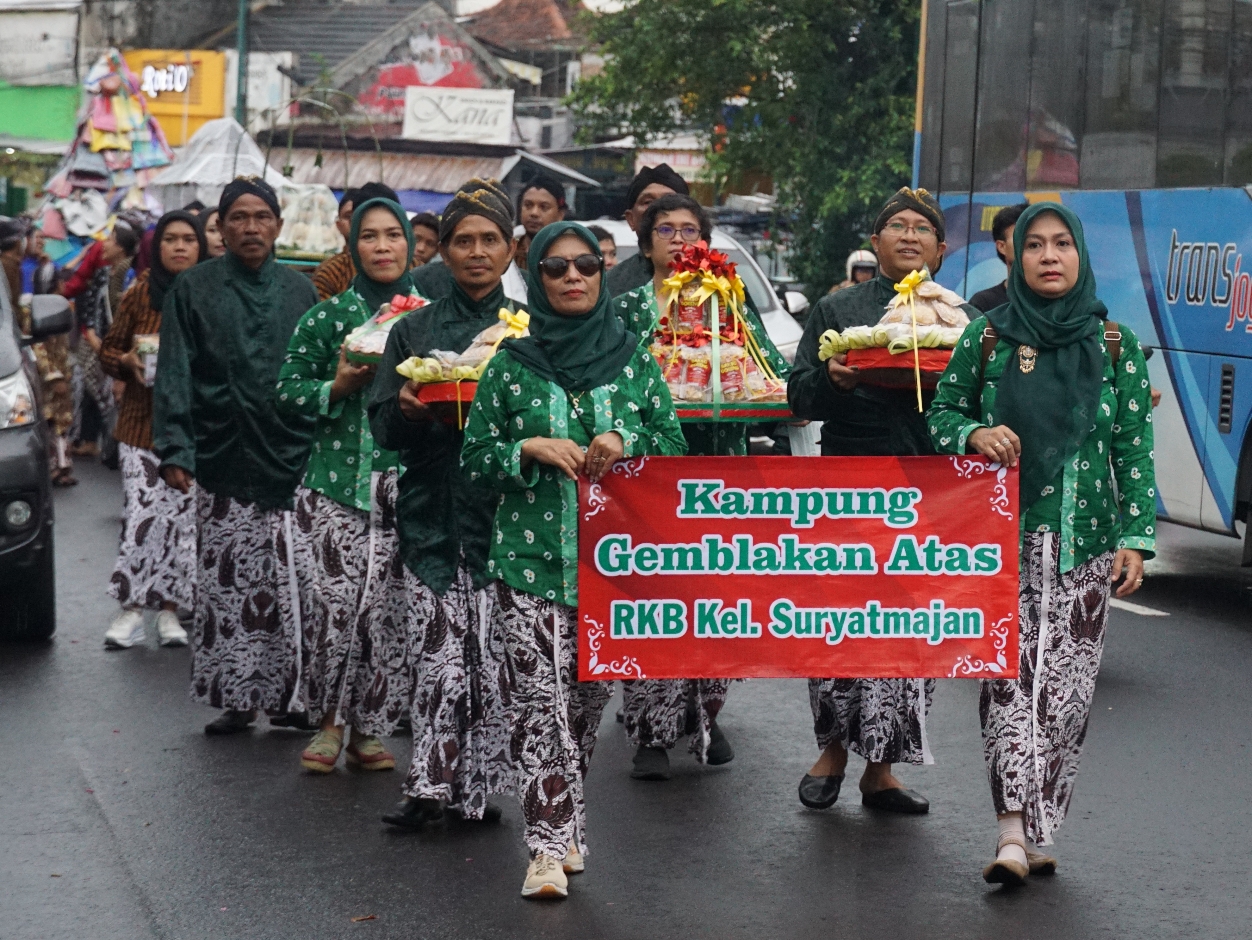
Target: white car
x: 779, y: 322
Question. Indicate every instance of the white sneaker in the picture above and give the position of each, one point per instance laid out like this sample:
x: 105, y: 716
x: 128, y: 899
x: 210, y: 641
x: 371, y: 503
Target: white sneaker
x: 544, y: 879
x: 169, y: 631
x: 573, y: 863
x: 125, y: 631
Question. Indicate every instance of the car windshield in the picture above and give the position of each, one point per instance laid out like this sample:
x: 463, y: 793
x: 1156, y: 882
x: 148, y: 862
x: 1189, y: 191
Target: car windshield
x: 10, y: 347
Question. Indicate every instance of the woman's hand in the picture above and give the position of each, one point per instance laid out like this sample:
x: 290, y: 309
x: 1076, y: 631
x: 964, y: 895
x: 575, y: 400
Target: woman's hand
x: 351, y: 376
x: 93, y: 340
x: 605, y: 450
x: 563, y: 454
x: 410, y: 407
x: 1127, y: 562
x: 132, y: 366
x: 842, y: 376
x: 178, y: 478
x: 998, y: 443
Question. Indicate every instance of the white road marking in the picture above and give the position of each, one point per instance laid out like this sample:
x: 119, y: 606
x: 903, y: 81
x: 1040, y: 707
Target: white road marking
x: 1137, y: 608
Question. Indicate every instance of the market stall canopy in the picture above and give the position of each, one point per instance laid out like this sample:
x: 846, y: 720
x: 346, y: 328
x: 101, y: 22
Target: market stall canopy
x: 214, y: 156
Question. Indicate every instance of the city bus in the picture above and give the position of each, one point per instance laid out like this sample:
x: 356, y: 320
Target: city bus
x: 1137, y: 114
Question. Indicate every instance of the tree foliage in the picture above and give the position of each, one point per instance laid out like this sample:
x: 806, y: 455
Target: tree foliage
x: 816, y: 93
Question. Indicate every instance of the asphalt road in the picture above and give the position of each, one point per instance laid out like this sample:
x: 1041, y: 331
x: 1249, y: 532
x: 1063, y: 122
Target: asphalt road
x: 121, y: 820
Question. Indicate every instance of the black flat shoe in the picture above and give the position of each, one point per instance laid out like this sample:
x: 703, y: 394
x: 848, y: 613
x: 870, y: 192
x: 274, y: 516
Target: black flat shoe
x: 651, y: 763
x: 720, y: 751
x: 229, y: 722
x: 491, y: 814
x: 298, y: 721
x: 897, y: 800
x: 621, y: 716
x: 819, y: 792
x: 413, y: 814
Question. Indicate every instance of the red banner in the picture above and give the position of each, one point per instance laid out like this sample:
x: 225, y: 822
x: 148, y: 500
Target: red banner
x: 738, y: 567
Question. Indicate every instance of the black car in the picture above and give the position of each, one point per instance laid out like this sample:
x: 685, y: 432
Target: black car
x: 27, y: 569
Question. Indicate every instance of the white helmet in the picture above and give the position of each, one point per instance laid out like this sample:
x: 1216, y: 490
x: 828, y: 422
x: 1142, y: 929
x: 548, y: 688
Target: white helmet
x: 861, y: 259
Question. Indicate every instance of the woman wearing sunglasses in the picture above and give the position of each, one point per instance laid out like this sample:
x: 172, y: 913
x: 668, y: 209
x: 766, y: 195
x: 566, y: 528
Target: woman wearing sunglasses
x: 658, y: 712
x: 574, y: 397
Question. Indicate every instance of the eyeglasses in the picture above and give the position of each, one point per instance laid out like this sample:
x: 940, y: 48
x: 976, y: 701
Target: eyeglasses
x: 899, y: 228
x: 555, y: 268
x: 690, y: 233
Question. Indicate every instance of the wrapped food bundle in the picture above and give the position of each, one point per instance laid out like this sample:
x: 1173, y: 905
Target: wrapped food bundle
x: 702, y: 333
x: 924, y: 319
x: 441, y: 365
x: 368, y: 341
x: 934, y: 309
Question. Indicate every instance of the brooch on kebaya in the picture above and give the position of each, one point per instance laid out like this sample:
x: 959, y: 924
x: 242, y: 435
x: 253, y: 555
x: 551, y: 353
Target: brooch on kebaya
x: 1026, y: 356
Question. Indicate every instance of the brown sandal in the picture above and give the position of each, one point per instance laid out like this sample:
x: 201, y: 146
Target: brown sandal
x: 62, y: 476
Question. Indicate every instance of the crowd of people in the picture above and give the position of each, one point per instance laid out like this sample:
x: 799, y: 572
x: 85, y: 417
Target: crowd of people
x: 352, y: 561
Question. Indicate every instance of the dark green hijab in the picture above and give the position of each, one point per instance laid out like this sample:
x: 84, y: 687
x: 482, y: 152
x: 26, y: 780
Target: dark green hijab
x: 376, y: 293
x: 577, y: 353
x: 1053, y: 407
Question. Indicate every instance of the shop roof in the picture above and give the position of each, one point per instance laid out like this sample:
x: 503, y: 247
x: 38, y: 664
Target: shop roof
x: 337, y: 36
x: 525, y: 24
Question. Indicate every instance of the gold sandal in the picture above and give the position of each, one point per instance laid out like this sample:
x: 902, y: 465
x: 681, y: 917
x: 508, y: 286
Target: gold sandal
x: 322, y: 753
x: 1007, y: 871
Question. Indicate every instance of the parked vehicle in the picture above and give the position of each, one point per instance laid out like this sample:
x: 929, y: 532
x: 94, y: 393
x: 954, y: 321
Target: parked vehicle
x: 27, y: 564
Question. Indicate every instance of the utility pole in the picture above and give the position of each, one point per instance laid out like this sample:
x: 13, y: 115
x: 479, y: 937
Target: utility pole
x: 241, y: 53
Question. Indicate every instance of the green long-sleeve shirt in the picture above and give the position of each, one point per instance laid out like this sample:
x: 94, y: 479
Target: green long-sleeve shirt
x: 344, y: 456
x: 224, y: 334
x: 1081, y: 502
x: 638, y: 310
x: 439, y: 514
x: 534, y: 544
x: 867, y: 421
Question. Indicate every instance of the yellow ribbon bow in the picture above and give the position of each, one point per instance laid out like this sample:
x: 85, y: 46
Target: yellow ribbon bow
x: 517, y: 323
x: 907, y: 287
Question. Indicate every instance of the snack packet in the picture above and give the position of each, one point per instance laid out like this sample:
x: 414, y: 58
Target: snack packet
x: 368, y: 341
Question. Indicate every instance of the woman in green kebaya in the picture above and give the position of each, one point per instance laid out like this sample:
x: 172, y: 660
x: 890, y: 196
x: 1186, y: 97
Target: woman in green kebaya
x: 574, y: 397
x: 352, y: 600
x: 1052, y: 389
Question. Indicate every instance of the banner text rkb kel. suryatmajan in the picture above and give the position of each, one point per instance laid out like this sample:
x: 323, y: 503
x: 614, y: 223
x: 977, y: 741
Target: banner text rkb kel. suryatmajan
x: 733, y: 567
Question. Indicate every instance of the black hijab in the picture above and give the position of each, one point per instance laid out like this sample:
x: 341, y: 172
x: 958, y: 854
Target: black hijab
x: 159, y: 278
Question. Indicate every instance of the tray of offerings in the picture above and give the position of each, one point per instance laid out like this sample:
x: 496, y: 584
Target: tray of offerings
x: 879, y: 366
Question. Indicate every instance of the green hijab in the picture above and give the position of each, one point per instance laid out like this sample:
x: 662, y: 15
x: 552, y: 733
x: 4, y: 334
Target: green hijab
x: 376, y: 293
x: 578, y: 353
x: 1052, y: 408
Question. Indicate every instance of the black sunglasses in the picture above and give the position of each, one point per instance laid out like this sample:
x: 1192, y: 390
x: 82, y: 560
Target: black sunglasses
x: 586, y: 265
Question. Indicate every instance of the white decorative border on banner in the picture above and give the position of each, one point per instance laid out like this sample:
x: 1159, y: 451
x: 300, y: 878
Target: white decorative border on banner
x: 625, y: 668
x: 967, y: 468
x: 967, y: 667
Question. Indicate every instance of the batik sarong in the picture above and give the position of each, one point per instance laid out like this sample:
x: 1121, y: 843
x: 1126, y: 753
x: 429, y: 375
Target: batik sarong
x: 462, y: 696
x: 352, y: 600
x: 556, y: 718
x: 1033, y: 727
x: 245, y: 647
x: 156, y: 559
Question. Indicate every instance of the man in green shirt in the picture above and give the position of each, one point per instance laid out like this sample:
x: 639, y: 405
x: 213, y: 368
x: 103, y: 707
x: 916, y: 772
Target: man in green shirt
x: 224, y: 335
x: 883, y: 720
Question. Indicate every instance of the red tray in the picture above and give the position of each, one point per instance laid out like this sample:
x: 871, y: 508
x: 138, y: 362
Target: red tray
x: 447, y: 391
x: 450, y: 393
x: 879, y: 367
